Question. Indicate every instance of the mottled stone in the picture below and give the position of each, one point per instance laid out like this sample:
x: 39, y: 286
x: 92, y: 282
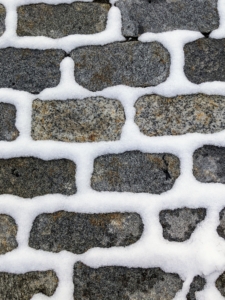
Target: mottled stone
x: 8, y: 231
x: 30, y: 70
x: 134, y: 171
x: 61, y: 20
x: 197, y: 285
x: 77, y: 232
x: 205, y: 60
x: 157, y: 115
x: 2, y: 19
x: 92, y: 119
x: 29, y: 177
x: 130, y: 63
x: 25, y: 286
x: 113, y: 283
x: 220, y: 284
x: 221, y: 227
x: 8, y: 130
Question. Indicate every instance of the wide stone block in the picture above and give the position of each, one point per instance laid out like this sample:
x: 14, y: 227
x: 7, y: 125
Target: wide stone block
x: 8, y: 130
x: 8, y: 232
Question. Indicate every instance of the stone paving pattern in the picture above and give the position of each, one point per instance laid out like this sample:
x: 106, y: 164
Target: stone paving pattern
x: 8, y: 130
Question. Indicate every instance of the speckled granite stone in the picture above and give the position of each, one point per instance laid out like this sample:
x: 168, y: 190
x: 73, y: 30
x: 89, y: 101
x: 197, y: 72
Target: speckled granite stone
x: 29, y: 70
x: 179, y: 224
x: 205, y: 60
x: 8, y: 231
x: 77, y: 232
x: 134, y: 171
x: 25, y: 286
x: 221, y: 227
x: 8, y: 130
x: 29, y: 177
x: 133, y: 63
x: 197, y: 285
x: 92, y: 119
x: 113, y: 283
x: 61, y: 20
x: 2, y: 19
x: 157, y: 115
x: 220, y: 284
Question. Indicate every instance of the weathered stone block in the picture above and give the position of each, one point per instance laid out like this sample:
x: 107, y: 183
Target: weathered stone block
x: 197, y: 285
x: 220, y: 284
x: 113, y: 283
x: 60, y: 20
x: 92, y: 119
x: 2, y: 19
x: 8, y: 231
x: 157, y: 115
x: 29, y: 177
x: 8, y: 130
x: 134, y: 171
x: 130, y: 63
x: 221, y: 227
x: 77, y: 232
x: 179, y: 224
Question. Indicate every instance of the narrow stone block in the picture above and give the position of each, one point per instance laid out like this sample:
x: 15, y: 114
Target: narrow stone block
x: 197, y: 285
x: 8, y: 130
x: 8, y: 231
x: 221, y: 227
x: 2, y: 19
x: 220, y: 284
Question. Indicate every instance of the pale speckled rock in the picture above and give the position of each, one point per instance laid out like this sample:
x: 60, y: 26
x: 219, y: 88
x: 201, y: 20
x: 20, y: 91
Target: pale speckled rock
x: 157, y: 115
x: 61, y: 20
x: 2, y: 19
x: 221, y: 227
x: 77, y: 232
x: 132, y: 63
x: 8, y: 231
x: 179, y: 224
x: 8, y: 130
x: 197, y: 285
x: 25, y: 286
x: 92, y: 119
x: 220, y: 284
x: 113, y: 283
x: 134, y: 171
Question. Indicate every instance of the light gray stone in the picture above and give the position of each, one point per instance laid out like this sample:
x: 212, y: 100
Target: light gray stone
x: 8, y: 130
x: 8, y: 231
x: 197, y: 285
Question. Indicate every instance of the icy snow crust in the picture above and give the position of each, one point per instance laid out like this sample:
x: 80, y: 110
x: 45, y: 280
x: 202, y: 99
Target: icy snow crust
x: 203, y: 253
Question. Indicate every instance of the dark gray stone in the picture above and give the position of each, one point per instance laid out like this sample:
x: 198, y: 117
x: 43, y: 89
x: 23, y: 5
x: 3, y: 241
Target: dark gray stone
x: 77, y: 232
x: 29, y: 177
x: 140, y: 16
x: 2, y: 19
x: 113, y: 283
x: 220, y: 284
x: 60, y: 20
x: 134, y: 171
x: 221, y: 227
x: 8, y: 231
x: 30, y: 70
x: 157, y: 115
x: 197, y: 285
x: 130, y: 63
x: 8, y: 130
x: 205, y: 60
x: 179, y: 224
x: 25, y: 286
x: 92, y: 119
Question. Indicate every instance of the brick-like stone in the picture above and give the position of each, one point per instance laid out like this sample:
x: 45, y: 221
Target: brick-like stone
x: 29, y: 177
x: 132, y: 63
x: 61, y: 20
x: 77, y: 232
x: 134, y: 171
x: 220, y: 284
x: 2, y: 19
x: 8, y: 231
x: 92, y: 119
x: 179, y: 224
x: 30, y: 70
x: 113, y: 283
x: 25, y: 286
x: 221, y: 227
x: 197, y: 285
x: 158, y: 116
x: 8, y: 130
x: 205, y: 60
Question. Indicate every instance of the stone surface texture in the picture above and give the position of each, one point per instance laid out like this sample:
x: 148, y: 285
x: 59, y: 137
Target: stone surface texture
x: 131, y: 63
x: 25, y: 286
x: 8, y: 231
x: 179, y: 224
x: 157, y: 115
x: 220, y: 284
x: 29, y: 177
x: 8, y: 130
x: 113, y: 283
x: 77, y: 232
x: 134, y: 171
x: 29, y: 70
x: 61, y: 20
x: 205, y: 60
x: 221, y: 227
x: 197, y: 285
x: 2, y: 19
x: 92, y: 119
x: 140, y: 16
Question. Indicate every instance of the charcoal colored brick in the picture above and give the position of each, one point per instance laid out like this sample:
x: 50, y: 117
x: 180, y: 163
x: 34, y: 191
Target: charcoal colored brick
x: 220, y: 284
x: 197, y: 285
x: 2, y: 19
x: 8, y: 231
x: 8, y: 130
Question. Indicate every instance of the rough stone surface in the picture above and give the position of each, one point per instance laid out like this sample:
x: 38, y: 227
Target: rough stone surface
x: 56, y: 21
x: 8, y: 231
x: 134, y: 171
x: 130, y: 63
x: 77, y: 232
x: 25, y: 286
x: 197, y: 285
x: 2, y: 19
x: 209, y: 164
x: 113, y: 283
x: 220, y: 284
x: 139, y: 16
x: 29, y: 177
x: 205, y: 60
x: 8, y: 130
x: 29, y: 70
x: 89, y: 120
x: 179, y: 224
x: 221, y: 227
x: 157, y: 115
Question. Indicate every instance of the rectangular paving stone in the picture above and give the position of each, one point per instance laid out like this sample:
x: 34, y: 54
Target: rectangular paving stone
x: 2, y: 19
x: 92, y: 119
x: 8, y: 232
x: 61, y: 20
x: 132, y: 63
x: 8, y: 130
